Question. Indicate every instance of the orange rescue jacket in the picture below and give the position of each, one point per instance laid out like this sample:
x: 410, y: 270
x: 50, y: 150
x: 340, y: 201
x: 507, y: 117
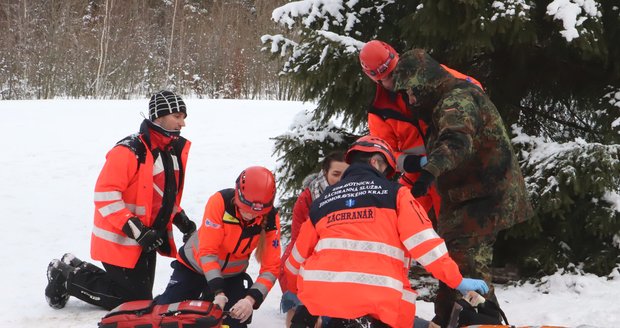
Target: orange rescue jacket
x: 223, y: 244
x: 391, y: 120
x: 352, y: 257
x: 125, y: 189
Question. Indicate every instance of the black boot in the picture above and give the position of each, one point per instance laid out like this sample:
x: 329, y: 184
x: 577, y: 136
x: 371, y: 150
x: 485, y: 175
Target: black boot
x: 72, y: 260
x: 75, y: 262
x: 56, y: 291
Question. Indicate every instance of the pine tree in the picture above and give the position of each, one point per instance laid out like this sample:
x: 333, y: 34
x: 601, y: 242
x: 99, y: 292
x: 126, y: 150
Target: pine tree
x: 575, y: 189
x: 300, y: 152
x: 551, y: 68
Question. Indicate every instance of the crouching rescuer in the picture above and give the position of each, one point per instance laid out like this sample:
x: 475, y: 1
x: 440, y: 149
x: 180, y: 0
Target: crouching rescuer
x: 356, y: 249
x: 137, y: 200
x: 212, y: 264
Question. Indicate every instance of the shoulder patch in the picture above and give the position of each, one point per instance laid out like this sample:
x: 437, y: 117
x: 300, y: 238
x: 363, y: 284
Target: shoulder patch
x: 229, y: 218
x: 211, y: 224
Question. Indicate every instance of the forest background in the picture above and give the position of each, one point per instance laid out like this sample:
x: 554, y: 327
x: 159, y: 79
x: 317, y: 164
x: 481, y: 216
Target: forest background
x: 552, y: 67
x: 114, y: 49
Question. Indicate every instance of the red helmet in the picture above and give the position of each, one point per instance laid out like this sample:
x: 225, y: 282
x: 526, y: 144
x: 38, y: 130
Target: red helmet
x: 255, y: 190
x: 371, y: 144
x: 378, y: 59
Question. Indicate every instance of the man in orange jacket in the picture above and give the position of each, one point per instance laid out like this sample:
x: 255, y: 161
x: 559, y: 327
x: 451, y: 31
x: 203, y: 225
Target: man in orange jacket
x: 212, y: 264
x: 137, y: 199
x: 351, y: 259
x: 391, y: 120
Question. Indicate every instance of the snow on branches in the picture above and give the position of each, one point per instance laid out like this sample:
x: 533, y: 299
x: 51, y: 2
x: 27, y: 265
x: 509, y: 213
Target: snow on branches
x: 573, y: 13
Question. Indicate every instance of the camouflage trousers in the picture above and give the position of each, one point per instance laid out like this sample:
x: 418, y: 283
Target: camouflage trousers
x: 474, y: 255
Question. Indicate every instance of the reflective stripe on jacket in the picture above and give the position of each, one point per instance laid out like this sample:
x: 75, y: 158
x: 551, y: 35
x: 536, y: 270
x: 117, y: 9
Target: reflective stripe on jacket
x: 355, y: 250
x: 223, y: 244
x: 125, y: 189
x: 301, y: 211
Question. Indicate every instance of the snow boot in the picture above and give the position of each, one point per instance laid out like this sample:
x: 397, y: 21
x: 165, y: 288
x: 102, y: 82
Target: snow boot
x: 75, y: 262
x: 71, y: 260
x: 56, y: 291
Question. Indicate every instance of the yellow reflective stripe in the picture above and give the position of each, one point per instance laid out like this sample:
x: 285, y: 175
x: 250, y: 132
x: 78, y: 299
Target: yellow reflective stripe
x: 229, y: 218
x: 296, y: 255
x: 367, y: 279
x: 290, y: 267
x: 360, y: 246
x: 419, y: 238
x: 432, y: 255
x: 106, y: 196
x: 113, y: 237
x: 112, y: 208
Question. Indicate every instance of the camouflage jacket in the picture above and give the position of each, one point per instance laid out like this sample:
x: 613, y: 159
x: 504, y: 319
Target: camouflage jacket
x: 469, y: 151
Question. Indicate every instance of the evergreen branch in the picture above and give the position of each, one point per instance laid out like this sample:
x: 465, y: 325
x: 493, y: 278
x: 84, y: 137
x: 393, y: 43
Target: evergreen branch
x: 557, y: 120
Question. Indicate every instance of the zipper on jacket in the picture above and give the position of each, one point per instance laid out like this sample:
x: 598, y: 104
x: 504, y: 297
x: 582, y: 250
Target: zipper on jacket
x: 225, y: 261
x: 234, y: 250
x: 248, y: 245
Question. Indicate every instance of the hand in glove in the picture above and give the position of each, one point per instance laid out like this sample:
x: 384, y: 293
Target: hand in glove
x: 148, y: 238
x: 185, y: 225
x: 242, y: 310
x: 411, y: 163
x: 220, y: 300
x: 420, y: 187
x: 472, y: 284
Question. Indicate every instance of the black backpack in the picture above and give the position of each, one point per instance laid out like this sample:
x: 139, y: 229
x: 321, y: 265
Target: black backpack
x: 486, y: 313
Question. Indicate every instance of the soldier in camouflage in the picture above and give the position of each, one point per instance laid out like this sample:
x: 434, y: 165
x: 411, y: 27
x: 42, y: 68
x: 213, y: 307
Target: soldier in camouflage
x: 472, y: 162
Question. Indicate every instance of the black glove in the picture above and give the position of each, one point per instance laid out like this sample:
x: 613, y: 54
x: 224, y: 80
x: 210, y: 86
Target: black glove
x: 414, y: 163
x: 148, y: 238
x: 185, y: 225
x: 420, y: 187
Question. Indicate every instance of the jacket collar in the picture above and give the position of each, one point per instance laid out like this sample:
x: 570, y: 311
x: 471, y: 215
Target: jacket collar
x: 361, y: 169
x: 155, y: 136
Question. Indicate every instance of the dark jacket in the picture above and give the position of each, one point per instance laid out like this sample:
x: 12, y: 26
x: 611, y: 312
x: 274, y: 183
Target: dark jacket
x: 469, y: 151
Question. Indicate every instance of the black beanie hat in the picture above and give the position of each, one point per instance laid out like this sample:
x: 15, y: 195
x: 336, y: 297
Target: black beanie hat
x: 164, y: 103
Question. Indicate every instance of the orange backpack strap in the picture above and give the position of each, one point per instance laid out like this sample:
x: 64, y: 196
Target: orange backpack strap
x: 462, y: 76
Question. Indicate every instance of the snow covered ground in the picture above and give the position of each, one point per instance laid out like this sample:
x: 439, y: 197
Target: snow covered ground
x: 52, y: 155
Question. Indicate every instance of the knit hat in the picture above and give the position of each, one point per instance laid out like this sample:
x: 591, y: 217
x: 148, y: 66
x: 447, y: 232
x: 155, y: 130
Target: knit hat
x: 164, y: 103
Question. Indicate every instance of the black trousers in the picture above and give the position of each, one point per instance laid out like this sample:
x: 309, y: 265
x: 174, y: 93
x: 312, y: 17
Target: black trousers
x: 304, y: 319
x: 115, y: 285
x: 186, y: 284
x: 473, y: 255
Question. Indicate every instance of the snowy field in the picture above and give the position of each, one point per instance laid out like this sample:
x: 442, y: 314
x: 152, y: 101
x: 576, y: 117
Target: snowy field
x: 57, y: 147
